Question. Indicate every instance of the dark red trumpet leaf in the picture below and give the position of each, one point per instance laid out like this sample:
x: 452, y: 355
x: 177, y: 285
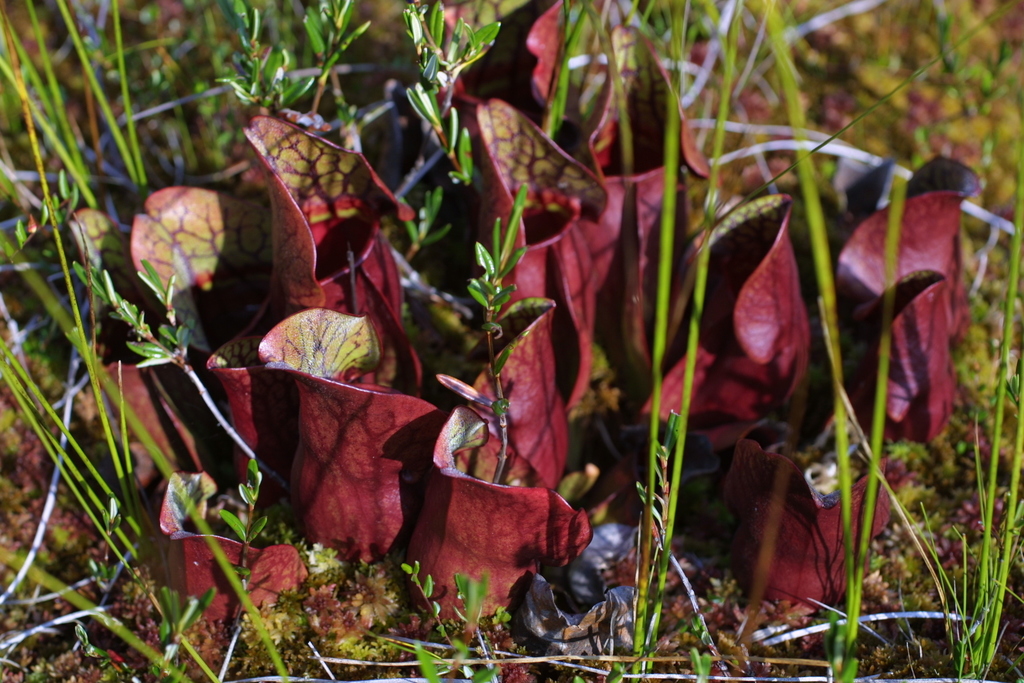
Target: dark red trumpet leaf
x: 557, y: 264
x: 543, y: 42
x: 922, y: 380
x: 476, y: 528
x: 755, y: 336
x: 944, y: 174
x: 218, y: 249
x: 506, y: 71
x: 647, y: 88
x: 807, y: 562
x: 624, y: 243
x: 356, y: 482
x: 192, y: 568
x: 624, y: 246
x: 326, y: 205
x: 264, y: 410
x: 538, y: 431
x: 929, y: 240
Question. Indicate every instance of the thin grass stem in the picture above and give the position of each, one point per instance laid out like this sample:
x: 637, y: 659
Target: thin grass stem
x: 994, y: 599
x: 198, y: 659
x: 57, y: 110
x: 892, y: 239
x: 101, y: 96
x: 126, y: 101
x: 827, y: 295
x: 672, y: 136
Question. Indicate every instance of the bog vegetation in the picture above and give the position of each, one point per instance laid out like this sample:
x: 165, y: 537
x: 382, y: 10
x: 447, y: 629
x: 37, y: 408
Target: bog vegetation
x: 519, y: 340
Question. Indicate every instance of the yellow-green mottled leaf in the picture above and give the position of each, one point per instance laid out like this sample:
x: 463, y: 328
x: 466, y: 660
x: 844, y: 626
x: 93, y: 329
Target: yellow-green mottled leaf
x: 323, y: 343
x: 521, y: 154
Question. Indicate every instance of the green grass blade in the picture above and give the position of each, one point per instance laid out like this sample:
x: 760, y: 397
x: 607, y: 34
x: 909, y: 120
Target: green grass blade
x: 56, y: 109
x: 992, y: 595
x: 672, y: 146
x: 133, y: 136
x: 827, y: 293
x: 39, y: 118
x: 892, y: 238
x: 134, y: 171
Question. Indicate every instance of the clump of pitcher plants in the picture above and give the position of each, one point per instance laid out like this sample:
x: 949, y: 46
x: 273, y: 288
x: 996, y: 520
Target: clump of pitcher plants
x: 298, y: 307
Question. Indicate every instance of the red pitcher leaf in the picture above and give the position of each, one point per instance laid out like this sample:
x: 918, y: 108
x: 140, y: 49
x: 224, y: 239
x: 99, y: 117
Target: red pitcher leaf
x: 561, y: 192
x: 543, y: 42
x: 357, y: 477
x: 506, y: 69
x: 757, y: 259
x: 625, y: 242
x: 929, y: 240
x: 326, y: 204
x: 338, y: 195
x: 944, y: 174
x: 185, y: 490
x: 475, y: 528
x: 538, y: 431
x: 805, y: 528
x: 648, y: 90
x: 192, y: 567
x: 218, y: 249
x: 519, y: 153
x: 264, y: 411
x: 922, y: 380
x: 624, y: 248
x: 755, y: 336
x: 323, y: 343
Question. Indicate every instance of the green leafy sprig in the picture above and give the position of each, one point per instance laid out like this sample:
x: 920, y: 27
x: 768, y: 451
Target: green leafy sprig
x: 261, y: 72
x: 491, y: 293
x: 327, y: 25
x: 420, y: 231
x: 441, y: 62
x: 247, y: 531
x: 176, y: 618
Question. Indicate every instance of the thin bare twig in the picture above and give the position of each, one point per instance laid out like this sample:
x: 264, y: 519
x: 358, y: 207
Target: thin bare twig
x: 226, y: 426
x: 412, y: 282
x: 319, y: 658
x: 9, y: 641
x: 762, y: 635
x: 231, y: 648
